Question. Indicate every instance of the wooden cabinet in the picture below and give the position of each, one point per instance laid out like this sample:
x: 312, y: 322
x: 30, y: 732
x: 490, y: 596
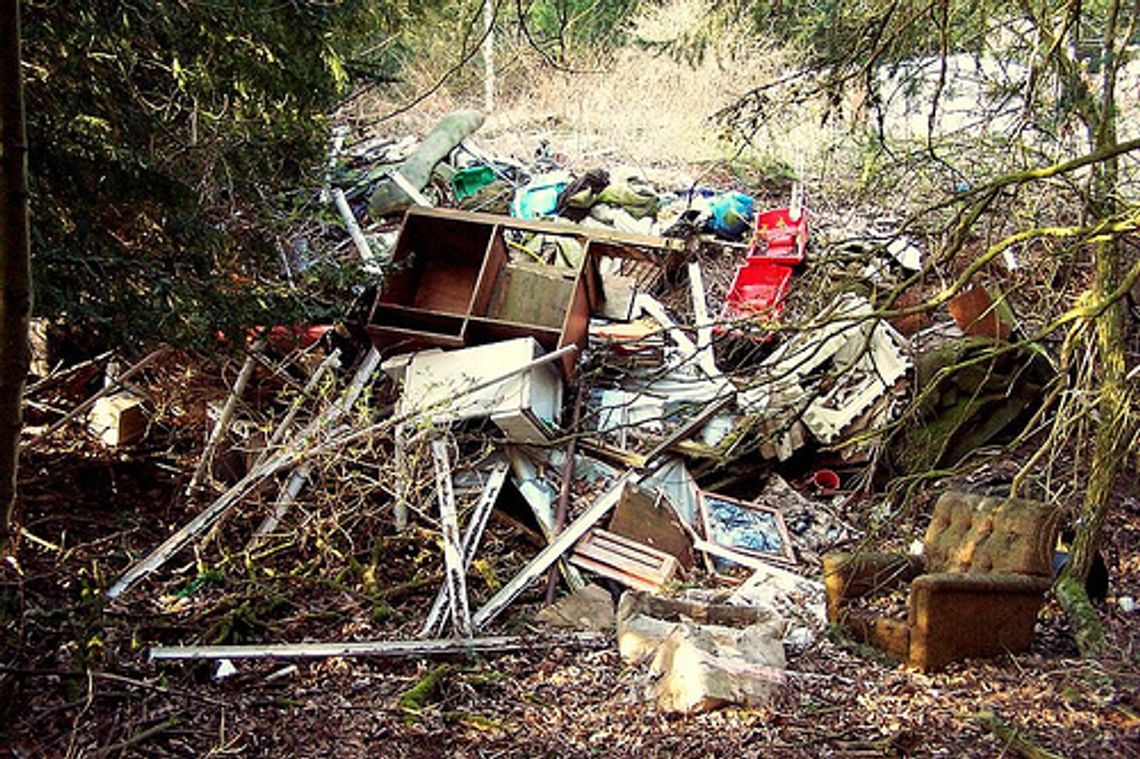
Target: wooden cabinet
x: 453, y: 283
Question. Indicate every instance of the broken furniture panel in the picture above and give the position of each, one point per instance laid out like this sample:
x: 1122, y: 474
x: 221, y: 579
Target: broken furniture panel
x: 748, y: 527
x: 455, y: 282
x: 648, y: 517
x: 525, y: 406
x: 702, y: 655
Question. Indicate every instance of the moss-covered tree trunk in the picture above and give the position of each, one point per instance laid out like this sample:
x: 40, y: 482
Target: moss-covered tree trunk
x: 1114, y: 430
x: 1114, y: 400
x: 15, y: 273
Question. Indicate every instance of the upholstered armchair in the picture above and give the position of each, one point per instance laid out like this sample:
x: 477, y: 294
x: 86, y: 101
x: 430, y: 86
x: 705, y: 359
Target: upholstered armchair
x: 975, y: 591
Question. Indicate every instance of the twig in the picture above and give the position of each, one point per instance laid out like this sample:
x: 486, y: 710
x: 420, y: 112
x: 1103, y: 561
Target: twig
x: 138, y: 737
x: 56, y: 376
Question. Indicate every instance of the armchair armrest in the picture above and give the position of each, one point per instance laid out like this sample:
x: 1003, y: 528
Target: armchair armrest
x: 851, y: 575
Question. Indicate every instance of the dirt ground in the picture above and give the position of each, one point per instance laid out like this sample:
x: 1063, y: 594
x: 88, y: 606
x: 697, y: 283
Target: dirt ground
x: 76, y: 680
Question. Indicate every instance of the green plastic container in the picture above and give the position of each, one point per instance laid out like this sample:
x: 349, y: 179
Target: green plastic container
x: 469, y: 181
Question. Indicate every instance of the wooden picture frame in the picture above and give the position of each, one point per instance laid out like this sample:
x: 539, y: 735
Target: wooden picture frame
x: 747, y: 527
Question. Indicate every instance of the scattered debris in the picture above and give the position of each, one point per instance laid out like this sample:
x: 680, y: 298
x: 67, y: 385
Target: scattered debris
x: 702, y: 655
x: 720, y: 416
x: 591, y: 608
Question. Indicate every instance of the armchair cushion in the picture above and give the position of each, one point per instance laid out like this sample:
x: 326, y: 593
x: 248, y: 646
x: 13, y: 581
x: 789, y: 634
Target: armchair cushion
x: 953, y: 616
x: 972, y: 533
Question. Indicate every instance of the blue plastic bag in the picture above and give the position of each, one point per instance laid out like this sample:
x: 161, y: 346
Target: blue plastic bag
x: 731, y: 215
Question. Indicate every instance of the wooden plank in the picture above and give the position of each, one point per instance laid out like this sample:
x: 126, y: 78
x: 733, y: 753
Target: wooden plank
x: 547, y: 556
x: 306, y: 394
x: 454, y: 566
x: 354, y: 231
x: 638, y: 553
x: 555, y: 228
x: 410, y: 189
x: 632, y: 564
x: 750, y: 560
x: 500, y: 644
x: 627, y: 552
x: 703, y: 323
x: 475, y: 526
x: 631, y: 580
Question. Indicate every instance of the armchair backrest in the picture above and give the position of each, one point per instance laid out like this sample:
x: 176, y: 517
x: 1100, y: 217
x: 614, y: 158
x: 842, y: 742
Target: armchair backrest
x: 973, y: 533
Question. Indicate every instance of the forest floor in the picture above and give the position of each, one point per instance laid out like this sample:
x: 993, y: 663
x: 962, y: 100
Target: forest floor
x: 82, y: 684
x: 76, y: 680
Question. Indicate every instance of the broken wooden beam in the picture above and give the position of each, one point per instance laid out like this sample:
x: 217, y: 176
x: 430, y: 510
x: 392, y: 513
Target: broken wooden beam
x: 494, y: 644
x: 453, y: 565
x: 474, y: 533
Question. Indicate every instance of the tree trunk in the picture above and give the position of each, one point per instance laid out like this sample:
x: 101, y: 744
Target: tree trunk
x: 1110, y: 447
x: 1114, y: 397
x: 15, y: 261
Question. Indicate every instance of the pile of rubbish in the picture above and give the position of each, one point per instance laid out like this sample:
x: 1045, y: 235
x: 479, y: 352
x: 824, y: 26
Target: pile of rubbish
x: 683, y: 430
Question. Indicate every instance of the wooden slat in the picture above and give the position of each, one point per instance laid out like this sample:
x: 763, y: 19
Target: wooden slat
x: 475, y: 525
x: 379, y: 648
x: 627, y: 561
